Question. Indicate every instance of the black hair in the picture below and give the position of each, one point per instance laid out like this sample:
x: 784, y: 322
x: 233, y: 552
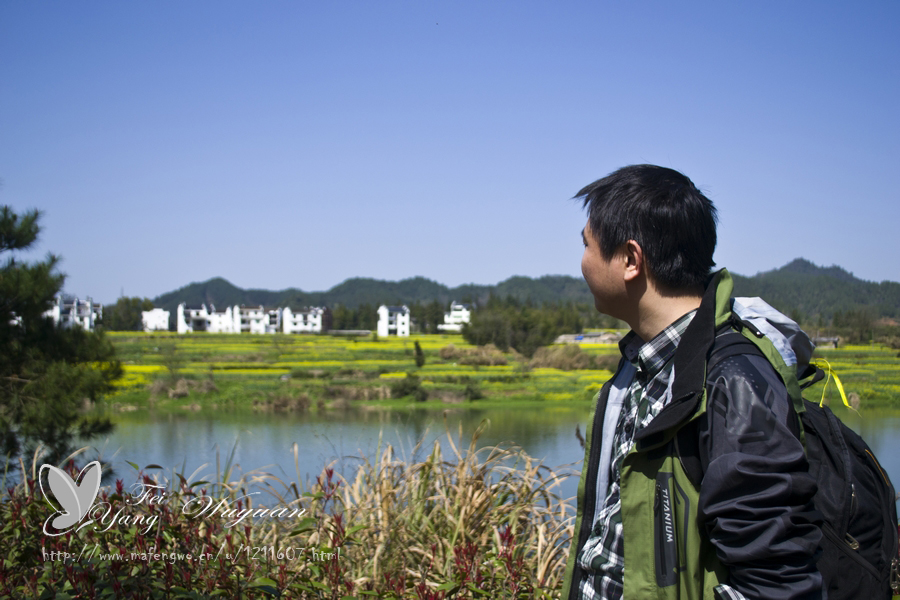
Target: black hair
x: 662, y: 210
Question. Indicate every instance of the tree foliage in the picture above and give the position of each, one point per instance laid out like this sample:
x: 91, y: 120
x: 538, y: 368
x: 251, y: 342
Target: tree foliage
x: 509, y: 323
x: 428, y: 316
x: 856, y: 325
x: 126, y: 314
x: 47, y: 373
x: 365, y: 316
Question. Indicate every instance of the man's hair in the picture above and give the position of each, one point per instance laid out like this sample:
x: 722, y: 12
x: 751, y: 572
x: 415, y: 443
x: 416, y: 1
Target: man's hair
x: 662, y: 210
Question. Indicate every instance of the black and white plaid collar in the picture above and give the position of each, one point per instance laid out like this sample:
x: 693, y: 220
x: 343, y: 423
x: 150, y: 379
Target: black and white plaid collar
x: 650, y: 357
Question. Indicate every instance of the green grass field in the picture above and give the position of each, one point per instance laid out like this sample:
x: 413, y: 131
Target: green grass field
x: 300, y: 372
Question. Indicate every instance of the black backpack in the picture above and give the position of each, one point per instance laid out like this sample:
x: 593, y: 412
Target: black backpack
x: 859, y: 556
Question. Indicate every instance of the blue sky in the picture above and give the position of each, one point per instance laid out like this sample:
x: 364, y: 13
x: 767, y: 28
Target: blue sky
x: 281, y: 144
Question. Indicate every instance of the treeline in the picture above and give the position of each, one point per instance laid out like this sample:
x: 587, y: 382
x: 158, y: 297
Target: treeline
x: 525, y: 327
x: 365, y: 316
x: 861, y: 325
x: 424, y: 317
x: 125, y: 314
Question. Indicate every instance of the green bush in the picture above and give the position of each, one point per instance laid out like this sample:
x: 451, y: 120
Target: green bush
x: 420, y: 355
x: 473, y: 391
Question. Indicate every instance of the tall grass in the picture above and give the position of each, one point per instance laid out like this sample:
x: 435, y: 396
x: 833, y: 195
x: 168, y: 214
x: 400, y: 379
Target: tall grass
x: 470, y: 524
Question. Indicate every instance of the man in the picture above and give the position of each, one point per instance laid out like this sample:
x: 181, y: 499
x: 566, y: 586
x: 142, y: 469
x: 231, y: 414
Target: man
x: 645, y: 528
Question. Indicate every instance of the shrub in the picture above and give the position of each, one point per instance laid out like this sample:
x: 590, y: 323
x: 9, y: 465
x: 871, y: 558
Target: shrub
x: 570, y: 356
x: 485, y: 523
x: 487, y: 355
x: 283, y: 402
x: 410, y: 385
x: 307, y: 373
x: 450, y: 352
x: 420, y: 355
x: 473, y: 391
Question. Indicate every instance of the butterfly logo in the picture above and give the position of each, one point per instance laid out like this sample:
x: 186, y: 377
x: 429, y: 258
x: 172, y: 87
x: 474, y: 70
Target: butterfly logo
x: 75, y: 499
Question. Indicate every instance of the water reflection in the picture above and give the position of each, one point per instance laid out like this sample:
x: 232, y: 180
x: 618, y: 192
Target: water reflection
x: 263, y: 441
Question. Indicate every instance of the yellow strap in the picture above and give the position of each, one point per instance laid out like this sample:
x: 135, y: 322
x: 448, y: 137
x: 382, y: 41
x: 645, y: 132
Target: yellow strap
x: 825, y: 366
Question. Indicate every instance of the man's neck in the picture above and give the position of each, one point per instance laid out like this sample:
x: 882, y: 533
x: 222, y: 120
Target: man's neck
x: 658, y: 311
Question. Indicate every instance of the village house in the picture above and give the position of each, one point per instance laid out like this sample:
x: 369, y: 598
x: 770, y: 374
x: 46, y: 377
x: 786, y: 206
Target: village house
x: 458, y: 316
x: 251, y: 319
x: 69, y: 311
x: 309, y: 320
x: 190, y: 319
x: 273, y: 320
x: 224, y: 321
x: 393, y: 320
x: 156, y: 319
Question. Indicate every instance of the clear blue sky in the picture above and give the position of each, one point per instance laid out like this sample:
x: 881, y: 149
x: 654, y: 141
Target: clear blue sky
x: 298, y: 144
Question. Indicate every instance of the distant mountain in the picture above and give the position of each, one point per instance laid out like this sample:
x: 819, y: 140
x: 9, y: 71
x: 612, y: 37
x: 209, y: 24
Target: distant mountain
x: 798, y: 287
x: 801, y: 266
x: 353, y: 292
x: 221, y: 293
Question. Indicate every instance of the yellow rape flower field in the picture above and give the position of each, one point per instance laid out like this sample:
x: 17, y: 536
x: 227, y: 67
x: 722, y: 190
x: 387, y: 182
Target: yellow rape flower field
x: 311, y: 372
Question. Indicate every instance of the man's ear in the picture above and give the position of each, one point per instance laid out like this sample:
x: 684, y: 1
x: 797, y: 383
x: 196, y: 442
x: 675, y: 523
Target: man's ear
x: 634, y: 260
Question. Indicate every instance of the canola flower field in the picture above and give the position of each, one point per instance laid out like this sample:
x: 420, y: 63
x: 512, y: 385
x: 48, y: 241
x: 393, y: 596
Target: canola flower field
x: 872, y: 372
x: 300, y: 372
x: 312, y: 371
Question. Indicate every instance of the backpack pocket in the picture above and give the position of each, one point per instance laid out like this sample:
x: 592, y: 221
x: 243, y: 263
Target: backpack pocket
x: 841, y: 562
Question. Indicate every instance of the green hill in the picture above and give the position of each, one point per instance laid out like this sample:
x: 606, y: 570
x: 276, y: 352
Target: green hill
x: 800, y: 287
x: 804, y: 288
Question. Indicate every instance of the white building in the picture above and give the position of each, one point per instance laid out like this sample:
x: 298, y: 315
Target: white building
x: 250, y: 319
x: 200, y: 318
x: 191, y: 319
x: 393, y: 320
x: 156, y: 319
x: 310, y: 320
x: 69, y: 311
x: 458, y: 316
x: 273, y: 320
x: 224, y: 321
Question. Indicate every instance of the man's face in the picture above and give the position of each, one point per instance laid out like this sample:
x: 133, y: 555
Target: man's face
x: 601, y: 275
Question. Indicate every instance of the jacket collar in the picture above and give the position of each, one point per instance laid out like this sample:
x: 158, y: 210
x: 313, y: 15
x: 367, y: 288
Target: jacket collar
x: 690, y: 359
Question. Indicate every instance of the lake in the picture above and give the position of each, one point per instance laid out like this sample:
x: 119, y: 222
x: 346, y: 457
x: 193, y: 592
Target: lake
x: 185, y: 441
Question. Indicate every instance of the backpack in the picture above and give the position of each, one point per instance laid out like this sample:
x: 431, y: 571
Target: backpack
x: 859, y: 557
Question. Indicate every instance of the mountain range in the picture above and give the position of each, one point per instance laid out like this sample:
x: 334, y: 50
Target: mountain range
x: 800, y: 288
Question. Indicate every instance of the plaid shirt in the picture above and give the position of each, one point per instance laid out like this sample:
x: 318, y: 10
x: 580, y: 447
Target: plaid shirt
x: 603, y: 554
